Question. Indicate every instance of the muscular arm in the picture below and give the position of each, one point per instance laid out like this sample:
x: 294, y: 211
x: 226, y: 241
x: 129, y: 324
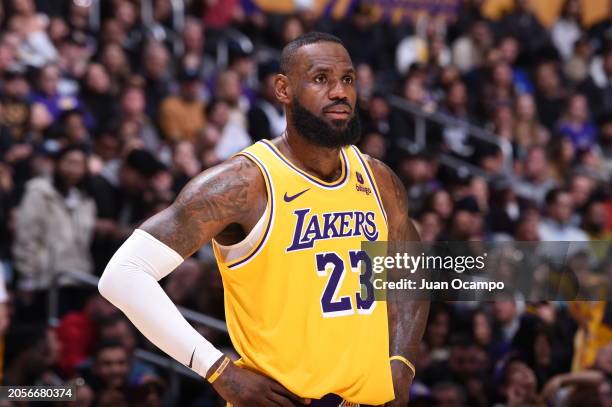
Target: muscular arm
x: 206, y: 206
x: 407, y: 319
x: 230, y: 194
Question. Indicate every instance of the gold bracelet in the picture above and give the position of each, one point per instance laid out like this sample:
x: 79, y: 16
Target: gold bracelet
x: 406, y: 362
x: 219, y: 370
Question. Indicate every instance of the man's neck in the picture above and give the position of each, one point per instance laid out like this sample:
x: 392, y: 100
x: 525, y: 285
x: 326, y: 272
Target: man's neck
x: 322, y: 162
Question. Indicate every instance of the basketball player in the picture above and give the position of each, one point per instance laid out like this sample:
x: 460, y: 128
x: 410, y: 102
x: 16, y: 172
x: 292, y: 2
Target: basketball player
x: 286, y: 218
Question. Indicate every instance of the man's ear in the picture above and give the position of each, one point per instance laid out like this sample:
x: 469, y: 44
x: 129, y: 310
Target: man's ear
x: 282, y: 89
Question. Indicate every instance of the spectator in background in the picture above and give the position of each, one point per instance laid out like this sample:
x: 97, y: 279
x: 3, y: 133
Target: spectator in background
x: 228, y: 89
x: 503, y: 127
x: 134, y: 122
x: 498, y: 90
x: 469, y: 50
x: 366, y: 83
x: 361, y: 28
x: 415, y: 49
x: 35, y: 47
x: 456, y: 136
x: 120, y: 193
x: 441, y: 203
x: 556, y: 225
x: 74, y: 55
x: 506, y: 323
x: 291, y: 28
x: 601, y: 32
x: 218, y: 15
x: 465, y: 367
x: 116, y: 63
x: 118, y: 328
x: 181, y: 116
x: 242, y: 61
x: 73, y: 129
x: 14, y: 106
x: 594, y: 220
x: 562, y: 155
x: 519, y: 386
x: 194, y: 43
x: 414, y: 170
x: 510, y: 49
x: 108, y: 376
x: 156, y: 71
x: 576, y: 124
x: 430, y: 226
x: 598, y: 86
x: 523, y: 23
x: 375, y: 145
x: 466, y: 222
x: 504, y: 208
x: 536, y: 180
x: 47, y: 93
x: 126, y: 14
x: 8, y: 51
x: 469, y: 11
x: 78, y: 17
x: 568, y: 28
x: 224, y: 137
x: 16, y: 140
x: 482, y: 329
x: 549, y: 95
x: 438, y: 332
x: 528, y: 131
x: 377, y: 117
x: 98, y: 96
x: 266, y: 116
x: 581, y: 186
x: 185, y: 165
x: 55, y: 223
x: 576, y: 67
x: 402, y: 125
x: 448, y: 394
x: 77, y: 332
x: 36, y: 364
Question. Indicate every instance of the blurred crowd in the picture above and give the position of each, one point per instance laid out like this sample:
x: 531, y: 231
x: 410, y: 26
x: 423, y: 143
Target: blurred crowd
x: 102, y: 124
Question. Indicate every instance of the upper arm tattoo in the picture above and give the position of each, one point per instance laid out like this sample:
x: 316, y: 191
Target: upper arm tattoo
x: 208, y: 203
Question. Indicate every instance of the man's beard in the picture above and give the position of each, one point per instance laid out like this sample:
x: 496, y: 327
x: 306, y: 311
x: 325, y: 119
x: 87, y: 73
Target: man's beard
x: 319, y: 132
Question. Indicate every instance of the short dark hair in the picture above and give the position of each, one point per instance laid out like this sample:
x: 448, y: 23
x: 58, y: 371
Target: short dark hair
x: 313, y: 37
x: 105, y: 344
x: 144, y: 163
x: 552, y: 195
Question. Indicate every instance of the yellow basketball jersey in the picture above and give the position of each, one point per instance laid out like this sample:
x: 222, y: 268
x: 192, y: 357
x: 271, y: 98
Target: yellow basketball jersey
x: 294, y: 304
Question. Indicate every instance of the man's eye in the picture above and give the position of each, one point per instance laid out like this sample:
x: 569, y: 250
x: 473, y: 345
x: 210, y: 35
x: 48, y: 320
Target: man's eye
x: 320, y: 78
x: 348, y: 80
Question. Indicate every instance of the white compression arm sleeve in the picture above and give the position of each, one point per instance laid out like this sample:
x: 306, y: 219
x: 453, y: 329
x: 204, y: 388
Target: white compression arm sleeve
x: 130, y: 282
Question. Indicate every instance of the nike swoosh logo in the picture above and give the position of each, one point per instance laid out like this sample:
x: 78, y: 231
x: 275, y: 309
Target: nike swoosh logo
x: 288, y: 198
x: 191, y: 360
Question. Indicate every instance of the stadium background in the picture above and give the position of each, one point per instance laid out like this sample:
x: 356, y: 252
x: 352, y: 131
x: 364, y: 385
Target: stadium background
x: 496, y: 116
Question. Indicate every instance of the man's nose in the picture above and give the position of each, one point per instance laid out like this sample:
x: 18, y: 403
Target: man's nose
x: 337, y: 90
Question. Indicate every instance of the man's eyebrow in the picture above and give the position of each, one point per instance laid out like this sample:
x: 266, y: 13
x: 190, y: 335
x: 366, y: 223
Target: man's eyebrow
x: 314, y: 67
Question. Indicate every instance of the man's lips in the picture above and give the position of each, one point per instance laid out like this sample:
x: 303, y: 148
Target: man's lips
x: 337, y: 113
